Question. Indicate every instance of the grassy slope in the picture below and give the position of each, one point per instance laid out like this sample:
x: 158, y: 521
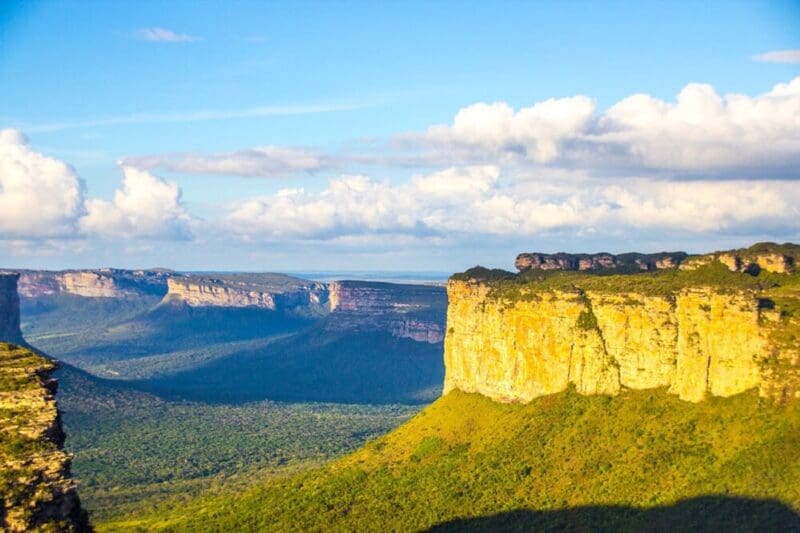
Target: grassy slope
x: 466, y: 456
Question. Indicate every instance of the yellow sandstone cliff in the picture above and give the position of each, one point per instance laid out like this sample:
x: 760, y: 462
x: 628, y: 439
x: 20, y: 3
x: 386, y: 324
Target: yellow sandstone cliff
x: 696, y: 340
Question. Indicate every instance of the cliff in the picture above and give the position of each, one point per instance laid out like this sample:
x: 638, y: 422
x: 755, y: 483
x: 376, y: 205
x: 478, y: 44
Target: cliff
x: 9, y: 309
x: 99, y: 283
x: 276, y: 292
x: 406, y: 311
x: 705, y: 331
x: 36, y: 489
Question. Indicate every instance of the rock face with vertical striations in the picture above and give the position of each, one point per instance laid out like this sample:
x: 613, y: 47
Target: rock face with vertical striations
x: 707, y: 331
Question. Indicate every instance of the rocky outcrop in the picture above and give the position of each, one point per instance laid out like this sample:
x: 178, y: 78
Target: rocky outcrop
x: 538, y: 339
x: 275, y: 292
x: 9, y: 309
x: 100, y: 283
x: 406, y: 311
x: 766, y: 256
x: 600, y: 261
x: 37, y: 492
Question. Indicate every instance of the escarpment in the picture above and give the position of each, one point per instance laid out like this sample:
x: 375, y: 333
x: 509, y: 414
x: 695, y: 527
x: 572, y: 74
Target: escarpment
x: 37, y: 491
x: 276, y: 292
x: 707, y: 331
x: 99, y: 283
x: 406, y: 311
x: 9, y: 309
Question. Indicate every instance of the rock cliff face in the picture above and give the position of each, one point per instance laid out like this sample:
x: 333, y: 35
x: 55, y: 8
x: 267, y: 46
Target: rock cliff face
x: 36, y: 489
x: 406, y: 311
x: 275, y: 292
x: 9, y: 309
x: 100, y: 283
x: 696, y: 340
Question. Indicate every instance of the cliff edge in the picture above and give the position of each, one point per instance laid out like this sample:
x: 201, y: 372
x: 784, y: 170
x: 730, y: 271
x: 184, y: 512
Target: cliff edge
x: 37, y: 491
x: 717, y: 328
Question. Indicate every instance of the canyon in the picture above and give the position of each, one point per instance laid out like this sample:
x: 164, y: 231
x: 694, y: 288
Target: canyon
x: 405, y: 311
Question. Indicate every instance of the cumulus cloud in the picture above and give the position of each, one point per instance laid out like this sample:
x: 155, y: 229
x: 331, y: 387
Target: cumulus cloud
x: 474, y: 201
x: 706, y: 206
x: 700, y: 135
x: 145, y: 207
x: 265, y: 161
x: 40, y: 196
x: 779, y: 56
x: 165, y: 35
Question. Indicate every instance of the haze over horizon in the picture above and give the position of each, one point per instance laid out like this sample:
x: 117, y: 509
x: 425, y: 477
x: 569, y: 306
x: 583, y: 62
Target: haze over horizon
x: 425, y: 137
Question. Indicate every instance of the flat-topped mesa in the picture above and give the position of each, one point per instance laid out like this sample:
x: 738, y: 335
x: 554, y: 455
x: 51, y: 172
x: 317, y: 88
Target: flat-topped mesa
x: 99, y: 283
x: 600, y: 261
x: 276, y: 292
x: 707, y: 331
x: 406, y: 311
x: 9, y: 309
x: 37, y: 492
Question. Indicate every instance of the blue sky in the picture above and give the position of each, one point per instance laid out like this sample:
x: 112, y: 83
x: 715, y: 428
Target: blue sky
x: 353, y: 88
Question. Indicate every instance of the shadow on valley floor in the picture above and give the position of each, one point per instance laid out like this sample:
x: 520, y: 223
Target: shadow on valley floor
x: 314, y: 366
x: 707, y: 513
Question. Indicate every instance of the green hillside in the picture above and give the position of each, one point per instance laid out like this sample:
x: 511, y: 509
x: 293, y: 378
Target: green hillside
x: 640, y: 460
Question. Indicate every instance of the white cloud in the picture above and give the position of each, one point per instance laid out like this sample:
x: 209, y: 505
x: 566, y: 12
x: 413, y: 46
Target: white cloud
x: 40, y: 196
x: 779, y: 56
x: 537, y: 131
x: 466, y: 203
x: 165, y: 35
x: 146, y: 207
x: 706, y: 206
x: 700, y: 135
x: 265, y: 161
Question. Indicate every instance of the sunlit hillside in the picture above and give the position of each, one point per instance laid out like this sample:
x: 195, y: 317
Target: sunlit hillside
x: 562, y: 461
